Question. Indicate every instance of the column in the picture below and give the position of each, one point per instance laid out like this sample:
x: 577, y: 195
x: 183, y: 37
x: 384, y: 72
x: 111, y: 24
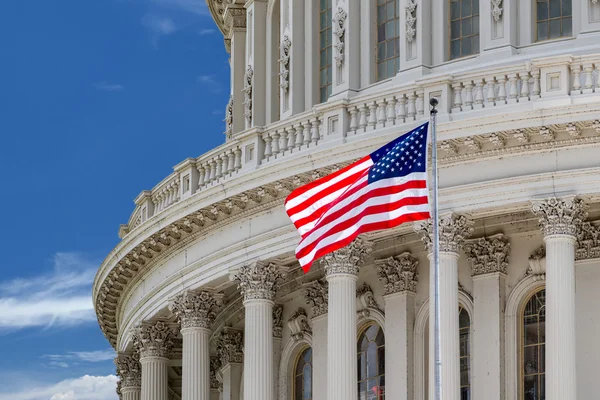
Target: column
x: 346, y: 46
x: 341, y: 271
x: 399, y: 277
x: 258, y: 283
x: 256, y: 62
x: 316, y: 294
x: 231, y: 357
x: 196, y: 312
x: 129, y: 371
x: 154, y: 342
x: 559, y: 221
x: 235, y: 22
x: 453, y: 230
x: 489, y: 260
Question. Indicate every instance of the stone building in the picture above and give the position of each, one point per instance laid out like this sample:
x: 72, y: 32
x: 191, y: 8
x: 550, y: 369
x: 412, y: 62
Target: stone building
x: 203, y: 298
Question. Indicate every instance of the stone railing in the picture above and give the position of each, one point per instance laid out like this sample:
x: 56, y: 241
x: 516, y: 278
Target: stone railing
x: 542, y: 83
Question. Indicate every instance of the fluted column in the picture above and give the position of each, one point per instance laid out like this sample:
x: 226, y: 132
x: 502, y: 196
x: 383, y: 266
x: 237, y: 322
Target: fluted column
x: 231, y: 356
x: 154, y: 342
x: 258, y: 283
x: 129, y: 371
x: 399, y: 277
x: 316, y: 295
x: 489, y: 261
x: 341, y: 271
x: 196, y: 312
x: 453, y: 229
x: 560, y: 220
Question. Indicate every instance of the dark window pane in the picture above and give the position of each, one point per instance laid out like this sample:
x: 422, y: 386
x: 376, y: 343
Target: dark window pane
x: 475, y: 25
x: 466, y: 27
x: 391, y: 68
x: 298, y: 387
x: 381, y: 51
x: 455, y: 48
x: 542, y: 358
x: 455, y: 29
x: 390, y: 49
x: 542, y: 30
x: 454, y: 10
x: 542, y: 10
x: 555, y: 28
x: 566, y: 8
x: 381, y: 71
x: 530, y: 359
x: 554, y: 8
x: 465, y: 8
x: 567, y: 27
x: 530, y: 388
x: 475, y: 7
x: 475, y: 44
x: 323, y: 4
x: 466, y: 47
x: 323, y: 20
x: 390, y: 29
x: 380, y: 14
x: 381, y: 360
x: 381, y: 33
x: 390, y: 14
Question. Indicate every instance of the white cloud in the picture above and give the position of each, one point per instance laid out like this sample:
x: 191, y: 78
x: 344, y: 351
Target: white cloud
x: 80, y: 356
x: 203, y: 32
x: 108, y: 87
x: 84, y: 388
x: 210, y: 81
x: 159, y: 25
x: 60, y: 298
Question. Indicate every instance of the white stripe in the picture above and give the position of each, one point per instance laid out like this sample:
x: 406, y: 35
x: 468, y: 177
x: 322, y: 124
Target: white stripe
x: 374, y: 201
x: 309, y: 193
x: 367, y: 219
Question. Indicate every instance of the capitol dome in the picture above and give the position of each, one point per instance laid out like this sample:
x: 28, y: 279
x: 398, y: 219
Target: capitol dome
x: 203, y: 298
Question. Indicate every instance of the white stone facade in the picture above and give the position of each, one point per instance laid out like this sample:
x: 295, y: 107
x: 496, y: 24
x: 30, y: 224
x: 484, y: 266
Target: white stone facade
x: 203, y: 298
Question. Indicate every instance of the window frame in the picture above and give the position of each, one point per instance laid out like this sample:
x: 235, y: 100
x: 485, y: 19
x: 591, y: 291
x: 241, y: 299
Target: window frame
x: 521, y: 341
x: 360, y: 336
x: 449, y: 30
x: 534, y: 12
x: 469, y: 329
x: 376, y: 25
x: 328, y: 86
x: 299, y: 357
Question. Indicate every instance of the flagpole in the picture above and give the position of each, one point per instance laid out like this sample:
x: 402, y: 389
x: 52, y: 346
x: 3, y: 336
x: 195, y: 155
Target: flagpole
x: 436, y: 253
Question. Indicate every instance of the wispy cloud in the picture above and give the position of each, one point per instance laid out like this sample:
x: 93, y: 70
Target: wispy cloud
x: 60, y: 298
x: 76, y: 357
x: 108, y: 87
x: 159, y: 25
x: 210, y: 82
x: 208, y: 31
x: 84, y: 388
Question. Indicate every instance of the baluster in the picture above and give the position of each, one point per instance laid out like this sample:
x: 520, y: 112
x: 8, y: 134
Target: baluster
x: 381, y: 117
x: 391, y: 111
x: 306, y: 128
x: 177, y: 192
x: 588, y: 85
x: 238, y: 159
x: 458, y: 102
x: 353, y: 119
x: 314, y: 130
x: 231, y: 156
x: 284, y: 139
x: 501, y: 89
x: 268, y: 150
x: 213, y: 170
x: 299, y: 135
x: 275, y: 143
x: 491, y: 92
x: 225, y: 161
x: 401, y: 109
x: 373, y: 115
x: 206, y: 173
x: 576, y: 79
x: 536, y: 90
x: 420, y: 103
x: 219, y: 167
x: 524, y: 86
x: 478, y: 94
x: 412, y: 111
x: 362, y: 122
x: 291, y: 136
x: 513, y: 92
x: 469, y: 95
x: 200, y: 176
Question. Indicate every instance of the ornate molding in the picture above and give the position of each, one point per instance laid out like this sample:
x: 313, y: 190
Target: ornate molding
x: 537, y: 264
x: 230, y: 347
x: 129, y: 370
x: 215, y: 366
x: 248, y: 80
x: 234, y: 18
x: 284, y: 60
x: 195, y: 310
x: 488, y: 254
x: 118, y: 390
x: 398, y: 273
x: 298, y: 324
x: 453, y: 231
x: 229, y: 119
x: 278, y: 321
x: 258, y: 281
x: 366, y: 301
x: 317, y: 296
x: 411, y: 20
x: 339, y: 33
x: 347, y: 259
x: 560, y: 216
x: 496, y: 10
x: 154, y: 339
x: 588, y: 242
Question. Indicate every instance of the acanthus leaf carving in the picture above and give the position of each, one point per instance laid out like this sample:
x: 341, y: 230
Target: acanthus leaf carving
x: 347, y: 259
x: 488, y: 254
x: 560, y: 216
x: 453, y: 230
x: 411, y: 20
x: 248, y: 81
x: 278, y: 321
x: 398, y: 273
x: 537, y: 264
x: 497, y: 10
x: 195, y: 310
x: 154, y: 339
x: 588, y: 242
x: 129, y: 370
x: 215, y: 366
x: 298, y: 324
x: 316, y: 295
x: 366, y: 300
x: 339, y: 33
x: 258, y: 281
x: 230, y: 347
x: 229, y: 119
x: 284, y: 60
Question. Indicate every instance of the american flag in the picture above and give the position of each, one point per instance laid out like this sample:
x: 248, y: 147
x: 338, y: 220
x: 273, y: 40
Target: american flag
x: 382, y: 190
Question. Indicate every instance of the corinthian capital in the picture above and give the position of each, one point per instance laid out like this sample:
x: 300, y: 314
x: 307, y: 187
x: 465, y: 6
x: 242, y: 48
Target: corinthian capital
x: 453, y: 231
x: 316, y: 294
x: 258, y: 281
x: 195, y: 310
x: 230, y: 347
x: 488, y: 254
x: 129, y: 370
x: 347, y: 259
x: 398, y: 273
x: 154, y: 339
x: 560, y: 216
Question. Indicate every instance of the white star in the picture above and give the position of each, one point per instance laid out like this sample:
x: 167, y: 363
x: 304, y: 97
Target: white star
x: 397, y: 164
x: 392, y: 169
x: 402, y: 158
x: 420, y: 154
x: 419, y: 164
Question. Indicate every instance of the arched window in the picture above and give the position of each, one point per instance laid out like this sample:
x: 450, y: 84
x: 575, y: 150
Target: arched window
x: 325, y: 50
x: 553, y: 19
x: 303, y: 376
x: 388, y: 43
x: 464, y: 28
x: 533, y: 347
x: 371, y: 364
x: 464, y: 335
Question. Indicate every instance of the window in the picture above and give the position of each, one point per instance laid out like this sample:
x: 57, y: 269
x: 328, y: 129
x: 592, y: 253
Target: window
x: 303, y: 376
x: 553, y: 19
x: 326, y: 55
x: 388, y: 45
x: 464, y: 335
x: 464, y: 28
x: 371, y: 364
x: 533, y: 347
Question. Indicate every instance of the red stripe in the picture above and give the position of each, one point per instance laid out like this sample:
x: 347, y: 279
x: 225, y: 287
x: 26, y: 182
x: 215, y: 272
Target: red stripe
x: 376, y: 209
x: 375, y: 226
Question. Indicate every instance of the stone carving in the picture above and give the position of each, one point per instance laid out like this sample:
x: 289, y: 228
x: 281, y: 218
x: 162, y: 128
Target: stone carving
x: 284, y: 61
x: 118, y: 390
x: 215, y: 366
x: 594, y: 1
x: 234, y: 18
x: 560, y: 216
x: 154, y: 339
x: 316, y: 294
x: 573, y: 129
x: 411, y: 20
x: 129, y: 370
x: 195, y: 310
x: 496, y: 10
x: 347, y: 259
x: 278, y: 321
x: 298, y: 324
x: 258, y: 281
x: 488, y: 254
x: 230, y: 347
x: 248, y: 78
x: 366, y: 300
x: 596, y: 126
x: 453, y: 231
x: 547, y: 133
x: 588, y: 245
x: 537, y: 264
x: 229, y: 118
x: 399, y: 273
x: 339, y: 34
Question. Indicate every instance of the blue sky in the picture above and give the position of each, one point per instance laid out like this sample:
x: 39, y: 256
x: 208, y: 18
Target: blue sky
x: 98, y: 101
